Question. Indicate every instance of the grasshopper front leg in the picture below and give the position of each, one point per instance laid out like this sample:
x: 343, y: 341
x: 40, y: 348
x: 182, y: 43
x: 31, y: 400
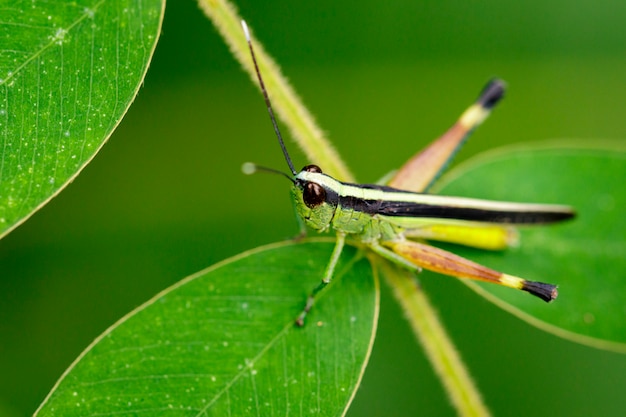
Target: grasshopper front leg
x: 328, y: 276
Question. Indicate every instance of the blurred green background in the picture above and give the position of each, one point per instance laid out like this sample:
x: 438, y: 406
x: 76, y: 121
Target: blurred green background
x: 166, y: 198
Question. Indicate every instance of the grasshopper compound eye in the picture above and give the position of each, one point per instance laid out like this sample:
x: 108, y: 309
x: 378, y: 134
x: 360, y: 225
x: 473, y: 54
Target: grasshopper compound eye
x: 312, y: 168
x: 313, y: 194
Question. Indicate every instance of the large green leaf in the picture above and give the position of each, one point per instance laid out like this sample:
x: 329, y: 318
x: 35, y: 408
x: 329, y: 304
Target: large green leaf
x: 68, y: 73
x: 586, y: 257
x: 223, y: 342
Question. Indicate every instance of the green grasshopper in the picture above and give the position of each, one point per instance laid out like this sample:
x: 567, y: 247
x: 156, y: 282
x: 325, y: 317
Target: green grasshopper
x: 394, y: 220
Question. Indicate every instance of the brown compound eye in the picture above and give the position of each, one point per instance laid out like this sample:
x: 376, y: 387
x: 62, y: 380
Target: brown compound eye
x: 313, y: 194
x: 312, y: 168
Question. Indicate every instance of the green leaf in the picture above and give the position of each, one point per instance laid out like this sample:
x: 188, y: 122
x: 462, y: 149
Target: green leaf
x: 68, y: 73
x: 586, y: 257
x: 223, y: 342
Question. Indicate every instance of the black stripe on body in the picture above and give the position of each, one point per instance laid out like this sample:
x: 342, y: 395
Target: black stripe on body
x: 408, y: 209
x: 411, y: 209
x: 368, y: 206
x: 503, y: 215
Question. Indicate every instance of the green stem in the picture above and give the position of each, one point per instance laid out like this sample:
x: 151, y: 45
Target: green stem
x: 285, y: 101
x: 436, y: 343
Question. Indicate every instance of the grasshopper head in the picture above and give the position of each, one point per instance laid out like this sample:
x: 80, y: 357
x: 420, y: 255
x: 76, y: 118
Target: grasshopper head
x: 314, y: 200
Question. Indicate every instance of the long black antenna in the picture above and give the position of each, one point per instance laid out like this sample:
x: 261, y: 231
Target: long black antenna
x: 267, y: 100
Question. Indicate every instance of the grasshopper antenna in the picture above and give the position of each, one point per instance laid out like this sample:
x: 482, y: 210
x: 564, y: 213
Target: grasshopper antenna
x: 267, y: 99
x: 250, y: 168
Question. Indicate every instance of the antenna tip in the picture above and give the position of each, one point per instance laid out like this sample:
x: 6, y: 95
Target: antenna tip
x: 245, y: 29
x: 248, y: 168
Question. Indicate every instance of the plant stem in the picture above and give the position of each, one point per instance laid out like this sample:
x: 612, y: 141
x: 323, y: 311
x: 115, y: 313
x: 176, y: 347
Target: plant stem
x: 285, y: 101
x: 436, y: 343
x: 308, y: 135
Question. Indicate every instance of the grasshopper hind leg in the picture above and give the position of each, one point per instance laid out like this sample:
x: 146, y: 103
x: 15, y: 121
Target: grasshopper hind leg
x: 328, y: 276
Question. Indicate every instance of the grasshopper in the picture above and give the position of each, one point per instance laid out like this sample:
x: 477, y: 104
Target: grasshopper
x: 393, y: 222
